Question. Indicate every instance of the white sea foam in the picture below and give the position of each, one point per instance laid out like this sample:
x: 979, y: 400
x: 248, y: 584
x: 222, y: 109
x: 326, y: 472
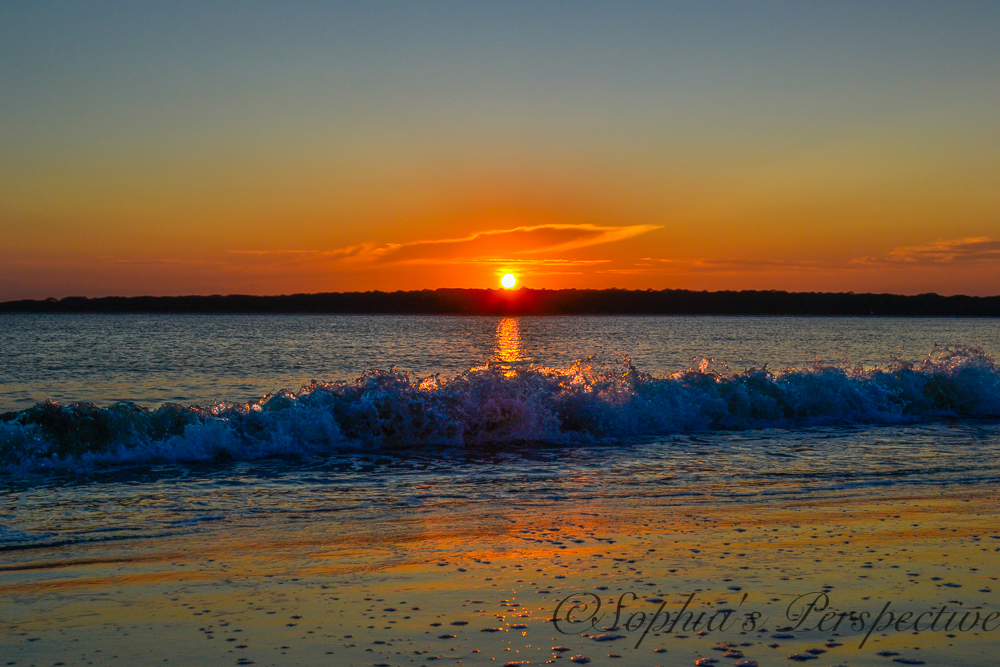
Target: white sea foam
x: 496, y: 404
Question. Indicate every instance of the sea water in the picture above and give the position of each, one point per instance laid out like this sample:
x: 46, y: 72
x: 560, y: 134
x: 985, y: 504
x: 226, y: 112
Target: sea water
x: 251, y: 450
x: 767, y: 404
x: 94, y: 390
x: 201, y: 359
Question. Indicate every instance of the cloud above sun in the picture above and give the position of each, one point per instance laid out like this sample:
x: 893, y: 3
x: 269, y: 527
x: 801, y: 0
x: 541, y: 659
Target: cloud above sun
x: 527, y: 245
x: 571, y: 251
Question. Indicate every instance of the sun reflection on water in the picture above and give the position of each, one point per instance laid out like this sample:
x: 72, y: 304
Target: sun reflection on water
x: 507, y: 348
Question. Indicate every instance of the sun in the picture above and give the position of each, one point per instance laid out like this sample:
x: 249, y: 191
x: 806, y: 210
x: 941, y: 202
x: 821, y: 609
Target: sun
x: 508, y: 280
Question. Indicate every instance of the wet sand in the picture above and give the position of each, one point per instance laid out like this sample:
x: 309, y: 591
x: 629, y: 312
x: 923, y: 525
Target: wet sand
x: 478, y: 584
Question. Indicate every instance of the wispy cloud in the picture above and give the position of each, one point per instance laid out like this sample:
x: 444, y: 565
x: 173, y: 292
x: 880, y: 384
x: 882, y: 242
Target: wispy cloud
x: 659, y: 266
x: 519, y: 244
x: 521, y: 261
x: 978, y: 249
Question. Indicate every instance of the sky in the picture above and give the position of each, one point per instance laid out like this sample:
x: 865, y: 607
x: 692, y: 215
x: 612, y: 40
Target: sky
x: 273, y: 148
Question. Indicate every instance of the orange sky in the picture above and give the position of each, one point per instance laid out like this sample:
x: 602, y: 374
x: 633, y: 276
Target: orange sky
x: 244, y: 149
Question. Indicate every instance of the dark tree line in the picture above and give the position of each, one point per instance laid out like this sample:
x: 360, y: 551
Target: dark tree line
x: 535, y: 302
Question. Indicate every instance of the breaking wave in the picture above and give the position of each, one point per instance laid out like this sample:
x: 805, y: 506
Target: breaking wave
x: 503, y: 403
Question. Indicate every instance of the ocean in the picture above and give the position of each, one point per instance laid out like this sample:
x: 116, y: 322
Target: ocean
x: 397, y: 490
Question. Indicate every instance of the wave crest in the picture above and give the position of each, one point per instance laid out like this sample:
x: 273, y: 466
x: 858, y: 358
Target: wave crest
x: 499, y: 403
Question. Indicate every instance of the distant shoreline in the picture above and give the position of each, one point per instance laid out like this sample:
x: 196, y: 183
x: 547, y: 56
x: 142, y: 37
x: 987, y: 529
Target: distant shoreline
x: 534, y: 302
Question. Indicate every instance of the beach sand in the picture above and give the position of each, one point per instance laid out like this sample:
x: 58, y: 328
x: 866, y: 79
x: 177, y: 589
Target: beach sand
x: 478, y: 584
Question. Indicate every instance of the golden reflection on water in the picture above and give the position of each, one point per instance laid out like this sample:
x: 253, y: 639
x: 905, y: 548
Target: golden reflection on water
x: 507, y: 348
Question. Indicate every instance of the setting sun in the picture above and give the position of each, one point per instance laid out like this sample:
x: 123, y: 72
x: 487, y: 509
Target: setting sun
x: 508, y: 280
